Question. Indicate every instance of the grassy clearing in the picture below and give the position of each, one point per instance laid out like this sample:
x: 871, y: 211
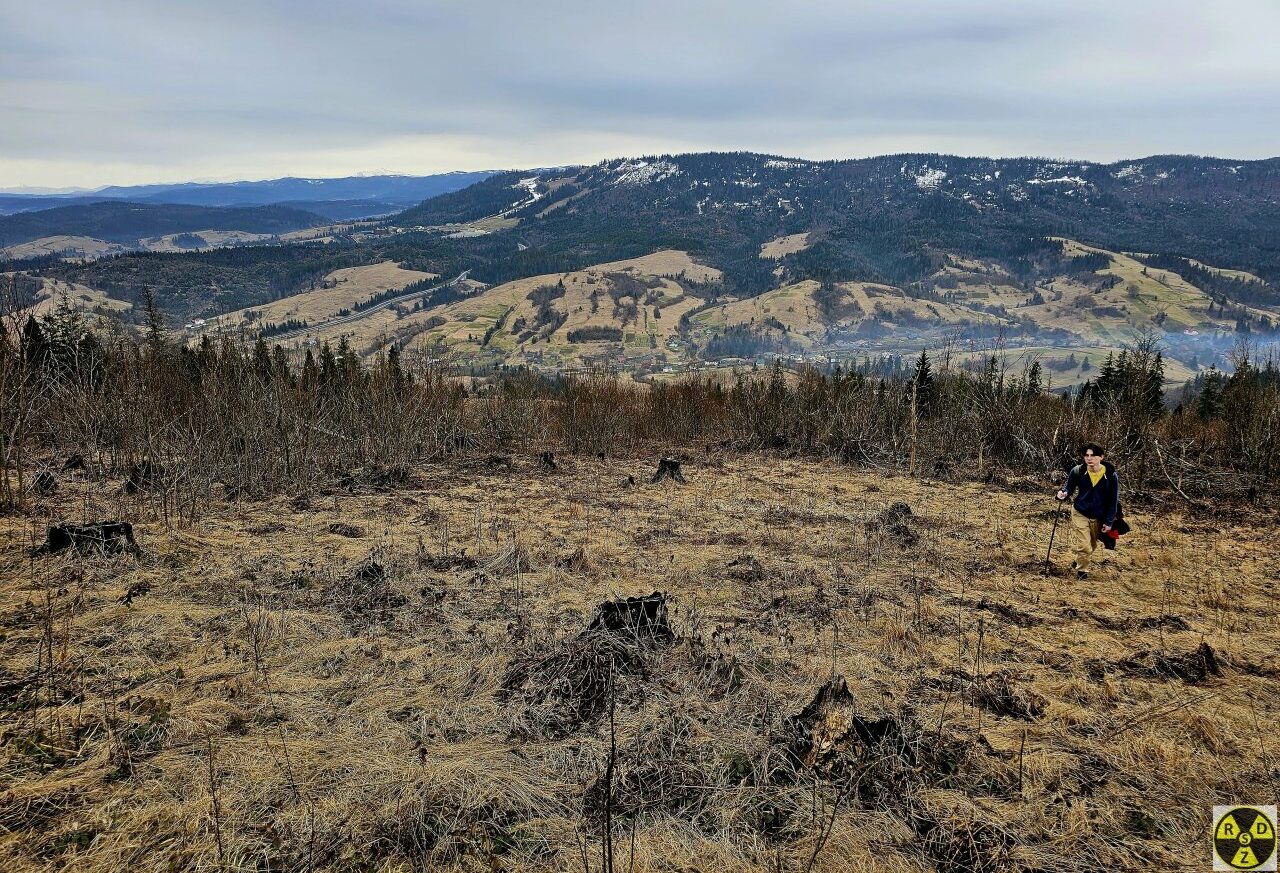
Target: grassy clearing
x: 82, y: 297
x: 83, y: 246
x: 269, y: 700
x: 784, y: 245
x: 341, y: 289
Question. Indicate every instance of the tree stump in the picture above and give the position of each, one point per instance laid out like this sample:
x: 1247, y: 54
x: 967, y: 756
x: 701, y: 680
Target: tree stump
x: 547, y: 462
x: 107, y: 537
x: 635, y: 616
x: 44, y: 483
x: 668, y: 468
x: 828, y: 730
x: 145, y: 477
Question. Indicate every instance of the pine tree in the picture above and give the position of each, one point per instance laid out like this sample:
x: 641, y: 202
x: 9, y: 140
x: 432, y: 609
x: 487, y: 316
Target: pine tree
x: 280, y: 365
x: 1104, y: 387
x: 310, y: 373
x: 261, y: 360
x: 922, y: 383
x: 1035, y: 386
x: 348, y: 363
x: 1209, y: 400
x: 1153, y: 387
x: 328, y: 366
x: 155, y: 323
x: 35, y: 346
x: 395, y: 374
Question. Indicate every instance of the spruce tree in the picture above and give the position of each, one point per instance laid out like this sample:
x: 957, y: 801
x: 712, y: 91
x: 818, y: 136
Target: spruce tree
x: 922, y: 383
x: 261, y: 360
x: 1209, y: 400
x: 310, y: 373
x: 1035, y: 385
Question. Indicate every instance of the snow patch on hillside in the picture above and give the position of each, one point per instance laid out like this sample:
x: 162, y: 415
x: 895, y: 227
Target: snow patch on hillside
x: 643, y: 172
x: 531, y: 186
x: 775, y: 164
x: 1061, y: 180
x: 929, y: 180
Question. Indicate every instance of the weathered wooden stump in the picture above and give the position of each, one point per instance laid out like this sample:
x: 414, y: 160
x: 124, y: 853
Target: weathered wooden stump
x: 829, y: 730
x: 107, y: 537
x: 668, y: 468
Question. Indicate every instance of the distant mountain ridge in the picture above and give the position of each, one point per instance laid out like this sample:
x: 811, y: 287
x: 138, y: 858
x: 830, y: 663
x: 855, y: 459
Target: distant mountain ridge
x: 787, y: 254
x: 342, y: 198
x: 126, y: 223
x: 889, y: 217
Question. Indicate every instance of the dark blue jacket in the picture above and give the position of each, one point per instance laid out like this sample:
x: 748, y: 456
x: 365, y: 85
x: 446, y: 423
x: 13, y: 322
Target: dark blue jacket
x: 1101, y: 501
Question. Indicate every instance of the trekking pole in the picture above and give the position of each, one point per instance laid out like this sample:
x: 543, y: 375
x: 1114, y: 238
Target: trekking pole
x: 1056, y: 516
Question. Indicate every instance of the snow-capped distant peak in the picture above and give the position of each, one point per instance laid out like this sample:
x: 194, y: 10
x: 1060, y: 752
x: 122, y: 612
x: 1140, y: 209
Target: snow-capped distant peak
x: 644, y: 172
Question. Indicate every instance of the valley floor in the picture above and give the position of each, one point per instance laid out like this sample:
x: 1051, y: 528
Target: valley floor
x: 397, y: 679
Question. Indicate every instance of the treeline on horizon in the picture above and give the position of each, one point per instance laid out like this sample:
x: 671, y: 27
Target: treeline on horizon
x: 225, y: 420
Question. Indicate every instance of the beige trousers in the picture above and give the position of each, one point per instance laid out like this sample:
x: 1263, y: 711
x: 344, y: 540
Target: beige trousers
x: 1084, y: 538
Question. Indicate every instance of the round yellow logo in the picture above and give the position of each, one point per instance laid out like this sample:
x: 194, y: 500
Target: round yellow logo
x: 1244, y: 838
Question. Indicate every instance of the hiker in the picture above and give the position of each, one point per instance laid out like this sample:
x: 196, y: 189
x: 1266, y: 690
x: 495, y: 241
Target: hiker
x: 1097, y: 502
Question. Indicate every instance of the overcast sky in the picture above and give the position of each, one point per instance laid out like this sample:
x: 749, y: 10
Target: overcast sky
x: 132, y: 91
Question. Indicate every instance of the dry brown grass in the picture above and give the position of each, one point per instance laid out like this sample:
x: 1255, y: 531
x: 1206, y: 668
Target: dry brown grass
x: 212, y: 239
x: 82, y: 246
x: 339, y: 290
x: 82, y: 297
x: 784, y: 245
x: 262, y: 708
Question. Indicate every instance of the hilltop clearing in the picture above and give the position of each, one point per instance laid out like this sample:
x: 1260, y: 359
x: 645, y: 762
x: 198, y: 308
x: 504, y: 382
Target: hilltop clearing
x: 403, y: 676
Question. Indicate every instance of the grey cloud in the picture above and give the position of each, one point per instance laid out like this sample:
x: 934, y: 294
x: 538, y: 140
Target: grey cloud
x: 141, y: 90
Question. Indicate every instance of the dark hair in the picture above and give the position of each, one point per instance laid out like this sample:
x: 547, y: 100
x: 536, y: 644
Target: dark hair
x: 1092, y: 447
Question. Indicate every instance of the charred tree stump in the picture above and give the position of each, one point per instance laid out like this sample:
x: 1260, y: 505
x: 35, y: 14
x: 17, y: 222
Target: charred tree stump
x: 547, y: 462
x: 106, y: 537
x: 668, y: 468
x: 75, y: 462
x: 635, y: 616
x: 44, y: 483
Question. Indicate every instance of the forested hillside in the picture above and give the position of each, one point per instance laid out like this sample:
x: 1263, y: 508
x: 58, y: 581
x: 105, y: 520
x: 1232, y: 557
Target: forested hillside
x: 931, y: 226
x: 130, y: 222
